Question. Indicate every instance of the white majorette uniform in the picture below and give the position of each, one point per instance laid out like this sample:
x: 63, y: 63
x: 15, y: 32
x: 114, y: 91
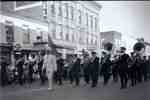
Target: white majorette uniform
x: 50, y: 65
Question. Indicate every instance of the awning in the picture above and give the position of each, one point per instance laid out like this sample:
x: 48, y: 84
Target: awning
x: 6, y: 45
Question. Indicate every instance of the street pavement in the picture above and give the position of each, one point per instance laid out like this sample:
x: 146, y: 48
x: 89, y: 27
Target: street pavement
x: 69, y: 92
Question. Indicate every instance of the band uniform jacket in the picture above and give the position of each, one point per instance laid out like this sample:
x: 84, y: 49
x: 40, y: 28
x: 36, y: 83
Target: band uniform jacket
x: 94, y: 65
x: 123, y: 62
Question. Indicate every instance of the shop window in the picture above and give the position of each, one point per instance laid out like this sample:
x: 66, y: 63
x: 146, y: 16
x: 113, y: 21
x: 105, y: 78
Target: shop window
x: 79, y: 16
x: 87, y: 41
x: 96, y: 21
x: 73, y: 38
x: 60, y: 10
x: 54, y: 33
x: 91, y: 22
x: 67, y: 37
x: 53, y: 10
x: 72, y: 13
x: 26, y: 34
x: 87, y: 21
x: 61, y: 33
x: 66, y: 10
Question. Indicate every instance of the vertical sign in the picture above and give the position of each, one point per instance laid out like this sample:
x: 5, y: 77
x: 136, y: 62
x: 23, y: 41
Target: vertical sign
x: 9, y: 32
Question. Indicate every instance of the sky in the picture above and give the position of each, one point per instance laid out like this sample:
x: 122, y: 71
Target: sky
x: 131, y: 18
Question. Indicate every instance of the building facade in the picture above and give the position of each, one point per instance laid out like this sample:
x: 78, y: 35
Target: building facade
x: 72, y: 25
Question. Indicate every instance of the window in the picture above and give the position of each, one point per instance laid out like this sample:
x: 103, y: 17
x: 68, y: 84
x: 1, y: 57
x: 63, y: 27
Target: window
x: 44, y: 35
x: 9, y: 32
x: 66, y: 10
x: 53, y: 9
x: 73, y: 39
x: 91, y: 40
x: 79, y: 17
x: 64, y: 33
x: 71, y: 35
x: 67, y: 36
x: 87, y: 21
x: 54, y: 33
x: 26, y: 34
x: 61, y: 32
x: 72, y: 13
x: 91, y: 22
x: 96, y: 42
x: 44, y: 10
x: 60, y: 10
x: 87, y: 40
x: 96, y: 21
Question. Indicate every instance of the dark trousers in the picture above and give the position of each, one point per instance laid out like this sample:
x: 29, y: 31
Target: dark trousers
x: 65, y: 74
x: 139, y: 75
x: 30, y: 76
x: 76, y: 78
x: 145, y: 73
x: 71, y: 76
x: 123, y: 78
x: 4, y: 79
x: 115, y: 74
x: 59, y: 77
x: 94, y: 77
x: 132, y: 73
x: 42, y: 76
x: 106, y: 78
x: 86, y: 75
x: 20, y: 77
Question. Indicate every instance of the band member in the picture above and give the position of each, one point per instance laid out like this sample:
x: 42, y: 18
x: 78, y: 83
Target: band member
x: 105, y: 67
x: 86, y: 68
x: 70, y: 69
x: 50, y: 65
x: 19, y: 65
x: 145, y: 68
x: 76, y: 69
x: 123, y: 67
x: 40, y: 65
x: 132, y: 69
x: 115, y: 68
x: 148, y: 68
x: 31, y: 67
x: 139, y: 49
x: 60, y: 69
x: 94, y: 66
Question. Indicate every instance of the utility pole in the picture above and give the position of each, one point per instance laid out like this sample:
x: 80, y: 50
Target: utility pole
x: 50, y: 43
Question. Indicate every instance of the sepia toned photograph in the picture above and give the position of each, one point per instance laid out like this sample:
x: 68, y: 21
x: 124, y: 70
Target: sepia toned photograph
x: 74, y: 50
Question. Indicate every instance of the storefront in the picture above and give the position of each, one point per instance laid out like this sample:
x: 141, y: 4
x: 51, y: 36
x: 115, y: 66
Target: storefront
x: 66, y: 51
x: 5, y: 52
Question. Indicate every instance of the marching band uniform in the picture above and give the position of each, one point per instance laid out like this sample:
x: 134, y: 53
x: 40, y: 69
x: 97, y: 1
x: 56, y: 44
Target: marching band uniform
x: 106, y: 68
x: 123, y: 68
x: 94, y: 66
